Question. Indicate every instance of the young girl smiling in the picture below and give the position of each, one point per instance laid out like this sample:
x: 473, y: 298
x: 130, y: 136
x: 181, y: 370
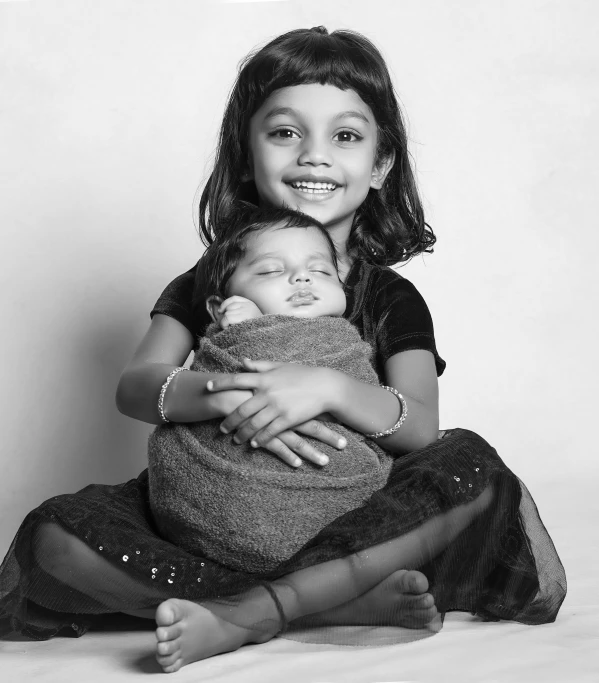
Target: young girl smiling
x: 312, y: 124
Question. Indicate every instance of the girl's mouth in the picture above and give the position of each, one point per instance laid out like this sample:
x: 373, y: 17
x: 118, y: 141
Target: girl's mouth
x: 313, y: 188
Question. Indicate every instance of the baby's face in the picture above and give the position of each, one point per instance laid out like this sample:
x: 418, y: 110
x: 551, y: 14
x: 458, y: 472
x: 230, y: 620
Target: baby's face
x: 289, y: 272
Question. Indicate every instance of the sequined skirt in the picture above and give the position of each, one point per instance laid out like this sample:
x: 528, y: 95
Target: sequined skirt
x: 502, y: 566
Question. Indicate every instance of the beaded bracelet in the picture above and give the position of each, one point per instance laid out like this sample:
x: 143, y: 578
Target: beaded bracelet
x: 169, y: 379
x: 402, y: 416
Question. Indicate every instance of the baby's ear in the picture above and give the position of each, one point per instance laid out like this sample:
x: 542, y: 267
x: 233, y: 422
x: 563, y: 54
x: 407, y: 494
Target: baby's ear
x: 212, y: 305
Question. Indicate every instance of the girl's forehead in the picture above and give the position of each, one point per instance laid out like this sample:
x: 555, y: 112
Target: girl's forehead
x: 315, y: 100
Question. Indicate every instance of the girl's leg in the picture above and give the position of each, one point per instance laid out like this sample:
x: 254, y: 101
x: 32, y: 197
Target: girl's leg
x: 75, y: 564
x: 187, y: 631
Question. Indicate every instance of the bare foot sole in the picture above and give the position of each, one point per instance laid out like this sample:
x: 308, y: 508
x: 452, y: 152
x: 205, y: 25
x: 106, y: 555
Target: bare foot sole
x: 187, y: 632
x: 400, y: 600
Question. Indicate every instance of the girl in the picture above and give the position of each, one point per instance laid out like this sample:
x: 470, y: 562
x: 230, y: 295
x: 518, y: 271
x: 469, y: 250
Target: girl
x: 312, y: 124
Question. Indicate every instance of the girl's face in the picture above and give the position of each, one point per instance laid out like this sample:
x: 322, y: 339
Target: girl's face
x: 313, y: 149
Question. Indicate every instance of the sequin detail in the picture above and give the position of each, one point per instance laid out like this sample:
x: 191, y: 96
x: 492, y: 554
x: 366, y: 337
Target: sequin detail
x: 125, y: 558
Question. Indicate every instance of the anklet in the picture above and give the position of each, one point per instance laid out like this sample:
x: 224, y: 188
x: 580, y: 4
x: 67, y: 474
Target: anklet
x: 278, y: 605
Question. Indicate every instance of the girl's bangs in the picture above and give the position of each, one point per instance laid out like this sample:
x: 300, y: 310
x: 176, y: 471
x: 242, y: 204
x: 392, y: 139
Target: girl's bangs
x: 338, y: 64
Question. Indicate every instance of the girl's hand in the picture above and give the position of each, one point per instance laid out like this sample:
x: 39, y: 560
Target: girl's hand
x: 285, y: 395
x: 289, y: 444
x: 235, y: 310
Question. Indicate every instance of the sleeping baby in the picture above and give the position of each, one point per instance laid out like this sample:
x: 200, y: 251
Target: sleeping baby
x: 273, y: 293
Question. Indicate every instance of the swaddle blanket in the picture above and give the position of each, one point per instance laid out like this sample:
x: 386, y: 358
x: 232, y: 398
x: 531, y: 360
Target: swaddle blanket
x: 241, y: 506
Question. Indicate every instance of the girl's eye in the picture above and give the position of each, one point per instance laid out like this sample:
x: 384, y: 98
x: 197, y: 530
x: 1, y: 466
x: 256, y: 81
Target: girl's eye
x: 283, y: 133
x: 270, y: 272
x: 324, y: 272
x: 347, y: 136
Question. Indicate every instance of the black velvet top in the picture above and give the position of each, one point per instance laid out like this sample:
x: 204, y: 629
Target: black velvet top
x: 387, y: 310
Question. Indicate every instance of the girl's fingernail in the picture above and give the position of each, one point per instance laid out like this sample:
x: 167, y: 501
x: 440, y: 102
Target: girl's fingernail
x: 296, y: 463
x: 236, y: 439
x: 323, y: 461
x: 253, y: 444
x: 210, y: 385
x: 342, y: 443
x: 224, y: 430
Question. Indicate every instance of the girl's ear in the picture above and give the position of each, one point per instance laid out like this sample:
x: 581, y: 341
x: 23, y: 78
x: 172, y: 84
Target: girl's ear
x: 381, y: 171
x: 248, y: 174
x: 212, y: 305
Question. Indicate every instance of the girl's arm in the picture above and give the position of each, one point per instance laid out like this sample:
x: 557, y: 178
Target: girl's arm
x: 286, y: 394
x: 370, y: 409
x: 167, y: 345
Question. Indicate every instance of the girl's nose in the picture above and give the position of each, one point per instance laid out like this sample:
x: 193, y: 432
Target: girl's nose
x: 315, y: 152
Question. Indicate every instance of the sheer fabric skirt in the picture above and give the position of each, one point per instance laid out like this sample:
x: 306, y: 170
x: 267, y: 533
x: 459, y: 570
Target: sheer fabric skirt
x: 503, y: 565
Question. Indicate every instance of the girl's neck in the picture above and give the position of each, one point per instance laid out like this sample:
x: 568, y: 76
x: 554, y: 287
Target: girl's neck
x: 344, y: 260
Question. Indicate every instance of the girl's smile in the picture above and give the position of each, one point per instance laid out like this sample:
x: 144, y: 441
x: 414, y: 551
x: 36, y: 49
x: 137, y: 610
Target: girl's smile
x: 313, y: 149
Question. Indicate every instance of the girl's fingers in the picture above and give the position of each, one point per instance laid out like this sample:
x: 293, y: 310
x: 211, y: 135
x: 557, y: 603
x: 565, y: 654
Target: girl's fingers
x: 245, y: 380
x: 242, y: 413
x: 302, y: 448
x: 318, y: 430
x: 260, y: 365
x: 270, y: 431
x: 278, y: 448
x: 249, y: 429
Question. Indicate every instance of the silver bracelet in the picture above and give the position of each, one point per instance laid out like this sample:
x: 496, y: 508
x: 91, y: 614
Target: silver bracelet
x: 402, y: 416
x: 169, y: 379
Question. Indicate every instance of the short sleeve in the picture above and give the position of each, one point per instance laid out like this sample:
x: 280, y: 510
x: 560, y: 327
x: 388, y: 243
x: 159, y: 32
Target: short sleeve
x: 404, y: 322
x: 177, y: 301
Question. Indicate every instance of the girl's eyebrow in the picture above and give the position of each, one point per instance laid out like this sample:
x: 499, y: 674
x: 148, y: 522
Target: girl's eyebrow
x: 353, y: 114
x: 288, y: 111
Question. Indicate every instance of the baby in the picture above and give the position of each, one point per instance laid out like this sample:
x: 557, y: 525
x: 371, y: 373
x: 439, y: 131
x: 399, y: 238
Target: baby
x: 273, y: 292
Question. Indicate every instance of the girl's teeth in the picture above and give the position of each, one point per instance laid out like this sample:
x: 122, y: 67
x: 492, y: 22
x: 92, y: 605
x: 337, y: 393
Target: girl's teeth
x: 314, y: 188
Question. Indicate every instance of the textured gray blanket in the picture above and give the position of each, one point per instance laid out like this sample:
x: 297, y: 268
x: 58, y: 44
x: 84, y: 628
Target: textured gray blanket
x: 241, y: 506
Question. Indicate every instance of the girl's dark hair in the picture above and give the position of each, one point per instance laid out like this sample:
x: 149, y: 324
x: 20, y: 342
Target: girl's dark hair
x: 222, y: 257
x: 389, y: 227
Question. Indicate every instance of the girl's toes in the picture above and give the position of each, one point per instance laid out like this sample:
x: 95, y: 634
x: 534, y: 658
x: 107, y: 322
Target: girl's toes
x: 170, y: 669
x: 169, y: 612
x: 424, y: 602
x: 164, y: 633
x: 169, y: 663
x: 167, y: 648
x: 415, y: 582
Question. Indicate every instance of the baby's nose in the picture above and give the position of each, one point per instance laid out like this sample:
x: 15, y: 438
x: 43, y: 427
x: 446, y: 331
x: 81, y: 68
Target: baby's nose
x: 303, y: 277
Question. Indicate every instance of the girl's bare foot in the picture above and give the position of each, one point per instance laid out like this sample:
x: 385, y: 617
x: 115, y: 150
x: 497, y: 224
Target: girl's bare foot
x: 187, y: 632
x: 399, y: 600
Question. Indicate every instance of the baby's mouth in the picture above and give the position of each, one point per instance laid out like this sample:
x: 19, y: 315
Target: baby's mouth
x: 302, y: 296
x: 310, y: 187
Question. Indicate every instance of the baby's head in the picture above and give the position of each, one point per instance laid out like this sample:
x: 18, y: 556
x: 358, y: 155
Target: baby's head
x: 282, y: 260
